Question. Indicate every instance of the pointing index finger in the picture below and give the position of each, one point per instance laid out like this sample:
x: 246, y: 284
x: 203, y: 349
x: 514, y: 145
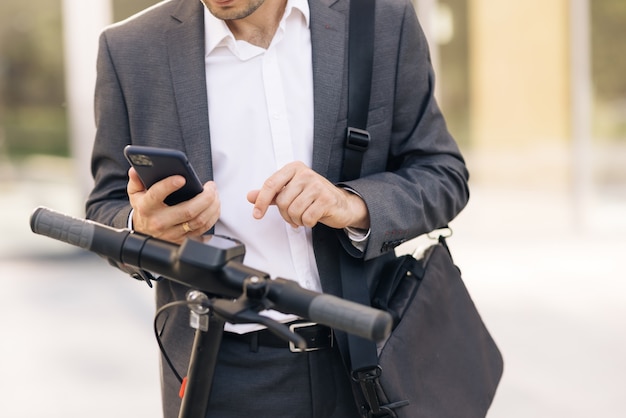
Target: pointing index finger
x: 271, y: 187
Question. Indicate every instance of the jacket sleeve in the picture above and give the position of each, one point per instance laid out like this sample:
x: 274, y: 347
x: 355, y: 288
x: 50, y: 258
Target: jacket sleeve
x: 416, y: 181
x: 108, y: 201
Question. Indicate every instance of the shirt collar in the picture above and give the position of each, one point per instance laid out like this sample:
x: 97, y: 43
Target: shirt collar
x: 217, y: 33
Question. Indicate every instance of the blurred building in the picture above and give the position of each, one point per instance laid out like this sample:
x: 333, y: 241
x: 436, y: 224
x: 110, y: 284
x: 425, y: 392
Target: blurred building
x: 535, y: 94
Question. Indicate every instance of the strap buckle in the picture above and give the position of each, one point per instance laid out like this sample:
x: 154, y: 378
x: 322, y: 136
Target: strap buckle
x: 357, y: 139
x: 294, y: 327
x: 368, y: 380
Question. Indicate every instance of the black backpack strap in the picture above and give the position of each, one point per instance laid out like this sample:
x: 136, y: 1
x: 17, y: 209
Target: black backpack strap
x: 360, y: 64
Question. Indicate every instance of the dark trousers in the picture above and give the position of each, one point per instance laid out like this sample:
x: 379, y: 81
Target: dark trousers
x: 273, y: 382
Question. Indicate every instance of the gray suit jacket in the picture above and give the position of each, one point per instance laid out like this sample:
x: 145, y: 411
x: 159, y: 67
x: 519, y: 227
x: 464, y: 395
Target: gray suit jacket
x: 151, y: 91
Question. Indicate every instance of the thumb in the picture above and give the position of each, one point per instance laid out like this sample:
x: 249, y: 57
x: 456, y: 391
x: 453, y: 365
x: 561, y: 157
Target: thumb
x: 134, y: 184
x: 252, y: 195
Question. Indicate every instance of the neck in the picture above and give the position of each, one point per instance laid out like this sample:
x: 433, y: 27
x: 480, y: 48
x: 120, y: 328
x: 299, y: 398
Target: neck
x: 259, y: 27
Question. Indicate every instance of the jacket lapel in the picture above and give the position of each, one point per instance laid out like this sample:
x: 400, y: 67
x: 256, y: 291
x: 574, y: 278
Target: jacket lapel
x: 185, y: 44
x: 328, y: 37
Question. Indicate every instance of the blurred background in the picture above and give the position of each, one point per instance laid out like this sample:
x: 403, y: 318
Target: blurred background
x: 534, y: 92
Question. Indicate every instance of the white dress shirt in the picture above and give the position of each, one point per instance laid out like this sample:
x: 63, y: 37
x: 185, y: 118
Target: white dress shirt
x: 261, y: 118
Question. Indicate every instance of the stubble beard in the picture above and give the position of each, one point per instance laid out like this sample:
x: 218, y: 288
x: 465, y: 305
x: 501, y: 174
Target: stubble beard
x: 233, y: 13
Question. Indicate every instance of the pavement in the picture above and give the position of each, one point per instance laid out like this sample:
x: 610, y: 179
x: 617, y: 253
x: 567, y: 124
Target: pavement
x: 77, y: 334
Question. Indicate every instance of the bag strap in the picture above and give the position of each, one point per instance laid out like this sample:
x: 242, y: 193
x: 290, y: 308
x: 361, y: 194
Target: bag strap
x: 363, y: 353
x: 360, y: 65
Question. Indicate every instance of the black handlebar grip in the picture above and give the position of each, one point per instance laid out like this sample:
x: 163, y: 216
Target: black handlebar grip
x: 62, y: 227
x: 357, y: 319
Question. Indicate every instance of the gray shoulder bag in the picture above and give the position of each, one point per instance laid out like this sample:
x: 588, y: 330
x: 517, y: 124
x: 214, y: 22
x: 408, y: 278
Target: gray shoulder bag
x: 440, y: 360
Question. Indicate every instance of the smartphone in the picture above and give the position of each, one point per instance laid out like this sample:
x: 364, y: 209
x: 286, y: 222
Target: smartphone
x: 154, y: 164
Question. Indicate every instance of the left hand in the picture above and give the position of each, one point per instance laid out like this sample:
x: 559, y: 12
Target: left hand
x: 153, y: 217
x: 304, y: 198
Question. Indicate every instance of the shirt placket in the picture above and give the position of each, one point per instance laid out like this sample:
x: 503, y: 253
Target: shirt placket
x: 284, y: 153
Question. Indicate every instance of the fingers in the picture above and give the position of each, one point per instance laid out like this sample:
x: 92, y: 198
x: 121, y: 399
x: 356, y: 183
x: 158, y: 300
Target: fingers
x: 173, y: 223
x: 305, y: 198
x: 303, y: 204
x: 155, y: 194
x: 282, y: 189
x: 198, y: 215
x: 252, y: 198
x: 302, y: 197
x: 271, y: 188
x: 134, y: 182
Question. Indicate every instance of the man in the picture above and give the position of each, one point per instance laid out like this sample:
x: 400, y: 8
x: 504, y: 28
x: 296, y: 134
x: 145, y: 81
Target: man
x: 255, y: 92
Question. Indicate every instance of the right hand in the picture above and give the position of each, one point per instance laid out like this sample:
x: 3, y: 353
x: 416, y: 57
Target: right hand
x: 153, y: 217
